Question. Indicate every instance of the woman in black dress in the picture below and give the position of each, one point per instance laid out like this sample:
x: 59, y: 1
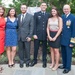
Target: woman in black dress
x: 54, y: 29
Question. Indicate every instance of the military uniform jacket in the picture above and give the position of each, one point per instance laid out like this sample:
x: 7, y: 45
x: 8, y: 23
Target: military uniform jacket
x: 68, y: 31
x: 40, y: 25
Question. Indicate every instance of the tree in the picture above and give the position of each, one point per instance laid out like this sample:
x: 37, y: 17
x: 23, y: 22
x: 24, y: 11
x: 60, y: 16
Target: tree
x: 58, y: 3
x: 0, y: 2
x: 17, y: 3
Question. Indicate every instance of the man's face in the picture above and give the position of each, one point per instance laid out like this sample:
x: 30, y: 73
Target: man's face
x: 66, y: 9
x: 23, y: 8
x: 43, y: 6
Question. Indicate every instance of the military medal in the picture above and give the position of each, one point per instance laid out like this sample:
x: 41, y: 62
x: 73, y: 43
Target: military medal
x: 68, y: 23
x: 72, y: 40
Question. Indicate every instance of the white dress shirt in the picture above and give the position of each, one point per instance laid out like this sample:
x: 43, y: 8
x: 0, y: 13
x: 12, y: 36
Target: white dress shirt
x: 23, y: 16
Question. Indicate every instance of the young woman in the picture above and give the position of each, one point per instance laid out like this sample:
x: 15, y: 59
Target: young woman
x: 54, y: 29
x: 11, y: 36
x: 2, y: 31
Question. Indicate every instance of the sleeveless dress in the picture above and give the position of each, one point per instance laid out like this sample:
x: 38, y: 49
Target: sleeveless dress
x: 2, y: 34
x: 11, y: 33
x: 53, y: 26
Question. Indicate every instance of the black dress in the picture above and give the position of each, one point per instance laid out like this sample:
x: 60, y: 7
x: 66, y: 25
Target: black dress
x: 56, y: 43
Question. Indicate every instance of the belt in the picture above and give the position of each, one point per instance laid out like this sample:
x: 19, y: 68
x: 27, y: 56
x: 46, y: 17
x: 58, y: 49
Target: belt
x: 54, y: 30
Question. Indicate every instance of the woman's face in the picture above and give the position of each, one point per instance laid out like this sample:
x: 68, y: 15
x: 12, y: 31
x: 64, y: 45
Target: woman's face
x: 12, y: 12
x: 1, y: 11
x: 54, y: 12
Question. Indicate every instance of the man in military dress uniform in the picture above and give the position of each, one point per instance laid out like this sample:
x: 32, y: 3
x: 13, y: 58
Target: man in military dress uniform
x: 40, y: 34
x: 67, y: 38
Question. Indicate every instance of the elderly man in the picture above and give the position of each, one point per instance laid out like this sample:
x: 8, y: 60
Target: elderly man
x: 67, y: 38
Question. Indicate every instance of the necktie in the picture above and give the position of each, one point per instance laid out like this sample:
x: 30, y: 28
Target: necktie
x: 22, y: 17
x: 43, y: 13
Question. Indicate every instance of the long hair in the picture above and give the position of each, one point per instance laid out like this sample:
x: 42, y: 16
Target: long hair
x: 8, y: 14
x: 3, y: 10
x: 58, y: 14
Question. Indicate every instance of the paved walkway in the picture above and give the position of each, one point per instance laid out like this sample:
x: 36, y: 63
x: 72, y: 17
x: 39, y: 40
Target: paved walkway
x: 36, y: 70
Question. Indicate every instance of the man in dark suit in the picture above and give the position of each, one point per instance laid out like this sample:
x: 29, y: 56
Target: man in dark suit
x: 25, y: 32
x: 40, y: 34
x: 67, y: 38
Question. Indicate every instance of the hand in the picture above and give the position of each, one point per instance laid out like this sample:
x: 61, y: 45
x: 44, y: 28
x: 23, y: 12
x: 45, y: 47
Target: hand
x: 54, y: 39
x: 71, y: 45
x: 50, y: 38
x: 35, y: 37
x: 28, y: 39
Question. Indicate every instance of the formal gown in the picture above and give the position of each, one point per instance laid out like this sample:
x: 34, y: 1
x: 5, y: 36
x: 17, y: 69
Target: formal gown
x: 11, y: 33
x: 2, y: 34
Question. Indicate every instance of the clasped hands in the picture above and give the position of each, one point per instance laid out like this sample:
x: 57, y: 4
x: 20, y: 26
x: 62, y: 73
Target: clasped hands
x: 52, y: 39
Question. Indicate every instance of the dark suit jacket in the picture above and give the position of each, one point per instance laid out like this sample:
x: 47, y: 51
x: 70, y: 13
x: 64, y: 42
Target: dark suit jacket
x: 40, y: 25
x: 68, y: 33
x: 25, y: 29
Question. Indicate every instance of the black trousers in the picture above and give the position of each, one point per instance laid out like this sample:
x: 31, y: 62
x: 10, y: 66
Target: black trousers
x: 44, y: 50
x: 24, y: 51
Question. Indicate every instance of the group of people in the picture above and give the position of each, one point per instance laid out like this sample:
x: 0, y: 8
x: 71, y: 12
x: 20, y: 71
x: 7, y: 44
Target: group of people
x: 58, y: 30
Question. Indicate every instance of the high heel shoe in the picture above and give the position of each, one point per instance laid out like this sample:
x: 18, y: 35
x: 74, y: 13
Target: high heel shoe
x: 1, y: 68
x: 10, y: 66
x: 54, y: 68
x: 13, y: 65
x: 51, y: 66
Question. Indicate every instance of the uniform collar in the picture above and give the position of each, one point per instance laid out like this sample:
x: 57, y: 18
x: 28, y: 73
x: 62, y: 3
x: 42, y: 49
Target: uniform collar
x: 67, y: 15
x: 43, y: 12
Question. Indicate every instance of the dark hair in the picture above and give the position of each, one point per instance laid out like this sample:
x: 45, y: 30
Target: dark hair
x: 9, y: 12
x: 23, y: 4
x: 3, y: 10
x: 58, y: 14
x: 43, y: 2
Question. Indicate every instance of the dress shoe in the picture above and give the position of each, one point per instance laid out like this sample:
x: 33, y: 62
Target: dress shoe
x: 27, y: 64
x: 1, y: 69
x: 33, y: 63
x: 21, y: 65
x: 66, y: 71
x: 61, y: 67
x: 13, y: 65
x: 10, y: 66
x: 44, y: 65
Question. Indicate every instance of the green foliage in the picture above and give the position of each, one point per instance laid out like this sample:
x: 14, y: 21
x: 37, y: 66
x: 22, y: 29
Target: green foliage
x: 73, y: 53
x: 17, y: 4
x: 58, y: 3
x: 0, y: 2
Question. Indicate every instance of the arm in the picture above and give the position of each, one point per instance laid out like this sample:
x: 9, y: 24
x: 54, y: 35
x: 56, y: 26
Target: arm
x: 35, y: 22
x: 18, y: 21
x: 35, y: 26
x: 72, y: 41
x: 48, y: 30
x: 5, y: 19
x: 31, y: 27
